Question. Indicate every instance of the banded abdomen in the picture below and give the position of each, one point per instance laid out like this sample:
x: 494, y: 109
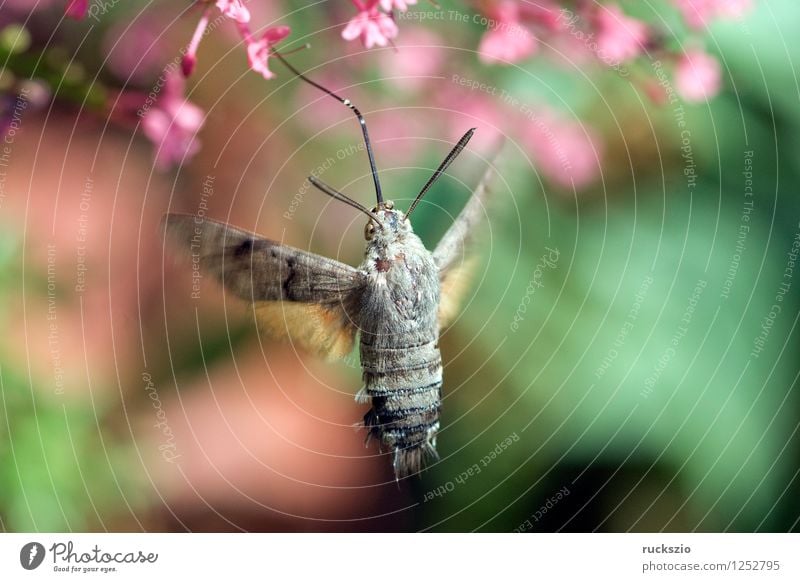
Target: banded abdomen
x: 404, y: 385
x: 402, y: 366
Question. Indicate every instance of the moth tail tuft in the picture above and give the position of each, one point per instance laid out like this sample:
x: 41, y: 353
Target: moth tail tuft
x: 411, y: 460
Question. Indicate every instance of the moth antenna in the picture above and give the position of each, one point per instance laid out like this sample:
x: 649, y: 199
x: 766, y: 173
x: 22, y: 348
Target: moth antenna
x: 348, y: 103
x: 336, y: 195
x: 306, y: 46
x: 457, y: 149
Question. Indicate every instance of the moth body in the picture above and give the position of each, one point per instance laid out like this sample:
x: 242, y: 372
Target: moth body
x: 395, y: 301
x: 399, y: 333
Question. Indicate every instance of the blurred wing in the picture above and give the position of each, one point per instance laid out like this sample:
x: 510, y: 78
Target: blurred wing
x: 454, y: 285
x: 297, y: 295
x: 454, y: 255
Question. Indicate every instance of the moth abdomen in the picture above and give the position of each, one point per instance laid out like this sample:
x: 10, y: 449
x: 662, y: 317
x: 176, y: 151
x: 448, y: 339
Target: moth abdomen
x: 404, y: 388
x: 407, y: 424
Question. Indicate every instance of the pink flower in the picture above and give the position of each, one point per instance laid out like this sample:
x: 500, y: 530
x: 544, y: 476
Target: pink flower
x: 188, y: 63
x: 507, y: 41
x: 77, y: 9
x: 619, y: 38
x: 506, y: 45
x: 258, y: 50
x: 699, y: 13
x: 172, y: 124
x: 698, y: 76
x: 370, y: 24
x: 565, y: 152
x: 234, y: 9
x: 401, y: 5
x: 419, y: 56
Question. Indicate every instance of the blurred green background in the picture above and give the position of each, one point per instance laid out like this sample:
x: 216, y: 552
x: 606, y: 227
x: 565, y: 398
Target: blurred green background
x: 642, y: 381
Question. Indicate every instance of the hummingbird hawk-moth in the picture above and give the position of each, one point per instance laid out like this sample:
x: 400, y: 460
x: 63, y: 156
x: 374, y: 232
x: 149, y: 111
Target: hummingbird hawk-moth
x: 396, y: 301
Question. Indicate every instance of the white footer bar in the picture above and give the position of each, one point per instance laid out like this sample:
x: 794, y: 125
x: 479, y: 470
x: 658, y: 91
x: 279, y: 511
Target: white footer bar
x: 333, y: 557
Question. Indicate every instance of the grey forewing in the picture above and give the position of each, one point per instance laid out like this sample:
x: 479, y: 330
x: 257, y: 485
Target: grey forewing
x: 258, y: 269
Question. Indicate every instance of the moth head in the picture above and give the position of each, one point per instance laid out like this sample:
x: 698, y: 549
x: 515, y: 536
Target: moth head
x: 392, y: 223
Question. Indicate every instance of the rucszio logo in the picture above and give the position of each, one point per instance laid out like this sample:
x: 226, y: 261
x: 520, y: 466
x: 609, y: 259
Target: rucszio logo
x: 31, y: 555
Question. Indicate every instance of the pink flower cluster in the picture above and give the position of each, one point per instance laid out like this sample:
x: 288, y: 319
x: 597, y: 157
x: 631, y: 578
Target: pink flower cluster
x: 172, y: 122
x: 603, y: 31
x: 565, y: 151
x: 373, y: 25
x: 698, y: 76
x: 258, y: 48
x: 514, y: 31
x: 507, y: 40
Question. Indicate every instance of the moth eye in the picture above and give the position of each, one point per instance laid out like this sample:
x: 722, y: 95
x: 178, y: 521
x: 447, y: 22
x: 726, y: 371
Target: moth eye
x: 369, y: 231
x: 388, y: 205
